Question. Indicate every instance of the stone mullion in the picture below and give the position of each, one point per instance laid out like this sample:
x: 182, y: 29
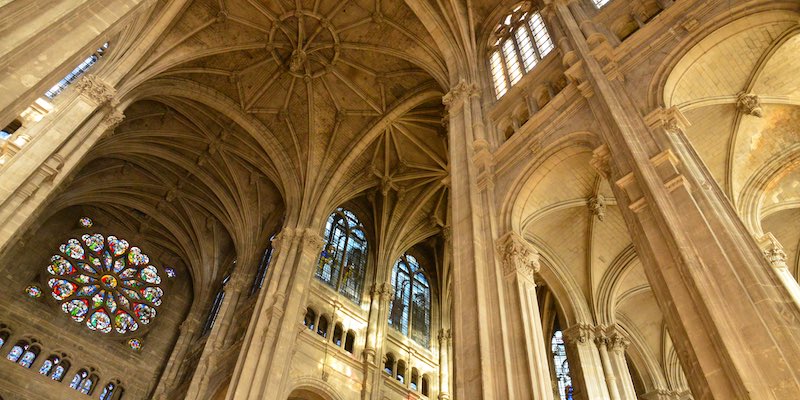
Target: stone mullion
x: 586, y: 368
x: 45, y: 58
x: 373, y: 350
x: 272, y: 361
x: 528, y: 369
x: 671, y: 203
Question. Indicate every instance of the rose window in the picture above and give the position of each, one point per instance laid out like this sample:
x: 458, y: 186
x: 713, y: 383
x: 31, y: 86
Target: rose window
x: 106, y: 283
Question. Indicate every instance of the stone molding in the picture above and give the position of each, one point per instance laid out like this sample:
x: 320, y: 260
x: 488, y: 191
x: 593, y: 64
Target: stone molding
x: 518, y: 256
x: 459, y: 93
x: 579, y: 334
x: 96, y: 90
x: 670, y: 119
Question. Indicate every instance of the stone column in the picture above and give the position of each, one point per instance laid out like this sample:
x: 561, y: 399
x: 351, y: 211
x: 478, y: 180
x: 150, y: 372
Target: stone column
x: 602, y: 342
x: 773, y: 252
x: 187, y: 332
x: 529, y: 360
x: 617, y: 344
x: 265, y: 357
x: 586, y: 368
x: 445, y: 341
x: 376, y: 328
x: 711, y: 281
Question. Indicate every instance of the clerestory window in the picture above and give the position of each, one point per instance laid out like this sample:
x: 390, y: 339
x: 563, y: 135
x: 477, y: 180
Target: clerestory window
x: 517, y: 44
x: 410, y: 311
x: 77, y: 72
x: 343, y: 261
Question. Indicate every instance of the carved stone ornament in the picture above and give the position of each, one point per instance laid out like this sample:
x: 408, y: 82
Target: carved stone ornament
x: 95, y: 89
x: 597, y: 205
x: 749, y: 104
x: 775, y: 255
x: 600, y: 161
x: 312, y: 240
x: 518, y: 256
x: 579, y: 333
x: 113, y: 118
x: 458, y: 93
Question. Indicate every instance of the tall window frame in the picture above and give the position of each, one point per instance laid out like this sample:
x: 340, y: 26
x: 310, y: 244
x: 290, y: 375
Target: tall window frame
x: 561, y: 365
x: 216, y: 305
x: 342, y: 262
x: 517, y: 44
x: 410, y: 309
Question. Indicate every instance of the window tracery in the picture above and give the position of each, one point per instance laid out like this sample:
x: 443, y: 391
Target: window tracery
x: 516, y: 45
x: 343, y: 260
x: 410, y: 311
x: 105, y: 282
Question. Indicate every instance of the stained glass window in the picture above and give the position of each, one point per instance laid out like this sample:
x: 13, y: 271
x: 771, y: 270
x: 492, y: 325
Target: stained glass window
x: 343, y: 260
x: 105, y: 283
x: 59, y: 371
x: 410, y: 311
x: 28, y: 357
x: 47, y: 365
x: 135, y: 344
x: 83, y: 382
x: 517, y: 44
x: 111, y: 391
x: 262, y: 268
x: 77, y: 72
x: 16, y: 352
x: 33, y: 291
x: 561, y: 365
x: 3, y: 338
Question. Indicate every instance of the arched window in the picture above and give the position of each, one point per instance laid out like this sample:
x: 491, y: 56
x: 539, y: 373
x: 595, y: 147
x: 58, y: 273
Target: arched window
x: 29, y: 356
x: 414, y: 379
x: 426, y: 388
x: 3, y: 338
x: 309, y: 319
x: 343, y: 260
x: 83, y: 381
x: 105, y: 283
x: 400, y: 374
x: 410, y: 312
x: 516, y: 45
x: 388, y: 365
x: 322, y: 328
x: 10, y: 129
x: 349, y: 341
x: 561, y: 365
x: 16, y: 352
x: 77, y: 72
x: 49, y: 364
x: 262, y: 268
x: 112, y: 391
x: 60, y: 370
x: 215, y: 306
x: 338, y: 331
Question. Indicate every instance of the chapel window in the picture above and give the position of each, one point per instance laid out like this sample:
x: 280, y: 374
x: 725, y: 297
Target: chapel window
x: 215, y: 306
x: 517, y: 44
x: 105, y: 283
x: 77, y: 72
x: 561, y: 365
x: 410, y: 311
x: 343, y: 260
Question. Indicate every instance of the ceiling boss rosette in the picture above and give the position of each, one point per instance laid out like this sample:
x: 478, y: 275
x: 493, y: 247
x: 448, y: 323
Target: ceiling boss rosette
x: 105, y: 282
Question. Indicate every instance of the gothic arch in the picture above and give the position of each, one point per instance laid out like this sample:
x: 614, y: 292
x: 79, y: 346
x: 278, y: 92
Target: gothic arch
x: 313, y: 388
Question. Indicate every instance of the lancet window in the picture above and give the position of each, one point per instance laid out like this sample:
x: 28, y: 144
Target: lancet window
x: 215, y: 306
x: 516, y: 45
x: 343, y: 260
x: 410, y: 312
x: 263, y: 267
x: 561, y: 365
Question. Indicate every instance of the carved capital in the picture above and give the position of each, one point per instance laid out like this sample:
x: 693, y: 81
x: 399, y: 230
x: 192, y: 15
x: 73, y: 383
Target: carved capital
x: 670, y: 119
x: 579, y: 334
x: 95, y: 89
x: 618, y: 342
x: 459, y: 93
x: 774, y: 254
x: 312, y: 240
x: 518, y: 256
x: 750, y: 104
x: 444, y: 336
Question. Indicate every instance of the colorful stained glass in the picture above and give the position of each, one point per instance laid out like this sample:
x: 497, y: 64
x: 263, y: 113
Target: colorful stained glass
x: 136, y: 257
x: 97, y: 300
x: 61, y: 289
x: 27, y: 359
x: 15, y: 353
x: 87, y: 290
x: 60, y: 266
x: 150, y: 275
x: 93, y: 242
x: 85, y: 222
x: 47, y: 365
x: 118, y: 246
x: 123, y: 323
x: 58, y: 373
x: 99, y: 321
x: 144, y: 313
x: 135, y: 344
x: 76, y: 309
x: 73, y: 249
x: 128, y: 273
x: 114, y: 279
x: 170, y: 272
x: 33, y: 291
